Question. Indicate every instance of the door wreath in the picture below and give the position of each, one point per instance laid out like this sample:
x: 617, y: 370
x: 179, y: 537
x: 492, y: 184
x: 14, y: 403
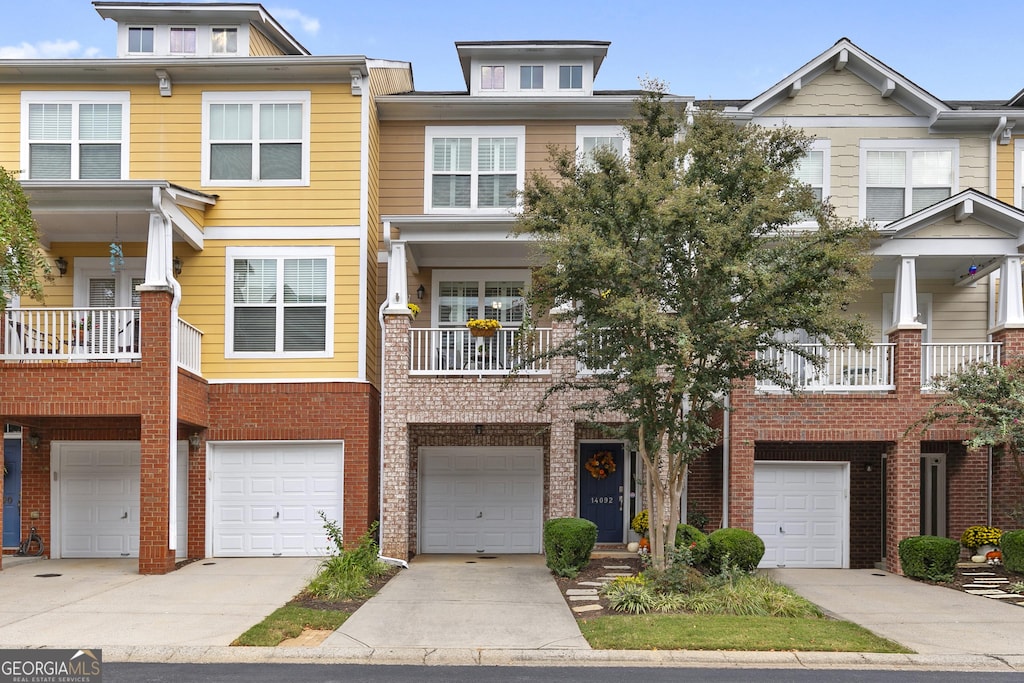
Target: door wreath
x: 601, y: 464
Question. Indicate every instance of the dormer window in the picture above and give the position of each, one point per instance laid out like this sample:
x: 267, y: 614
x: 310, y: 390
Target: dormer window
x: 570, y: 77
x: 183, y: 41
x: 492, y: 78
x: 140, y: 40
x: 225, y: 41
x: 531, y: 78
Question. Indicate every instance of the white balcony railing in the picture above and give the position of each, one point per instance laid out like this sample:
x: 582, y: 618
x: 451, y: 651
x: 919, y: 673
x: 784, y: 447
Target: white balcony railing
x: 844, y: 368
x: 943, y: 359
x: 190, y: 347
x: 455, y: 351
x: 38, y: 334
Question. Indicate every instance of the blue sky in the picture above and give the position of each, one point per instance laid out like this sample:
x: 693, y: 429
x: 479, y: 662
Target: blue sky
x: 722, y: 50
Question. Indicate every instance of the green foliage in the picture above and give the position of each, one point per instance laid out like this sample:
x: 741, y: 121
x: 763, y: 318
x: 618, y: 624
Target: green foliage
x: 929, y: 557
x: 22, y: 265
x: 738, y: 547
x: 288, y: 622
x: 688, y: 536
x: 674, y: 275
x: 568, y: 542
x: 346, y: 574
x: 977, y: 536
x: 750, y: 595
x: 629, y: 594
x: 678, y: 577
x: 1012, y: 545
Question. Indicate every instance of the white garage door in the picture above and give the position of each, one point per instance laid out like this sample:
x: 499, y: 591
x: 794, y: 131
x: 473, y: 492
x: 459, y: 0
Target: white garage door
x: 98, y: 498
x: 481, y: 500
x: 264, y: 497
x: 801, y: 513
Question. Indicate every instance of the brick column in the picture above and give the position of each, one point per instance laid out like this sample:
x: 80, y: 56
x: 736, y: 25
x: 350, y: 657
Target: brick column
x: 1012, y: 339
x: 155, y: 557
x: 562, y: 474
x: 908, y: 363
x: 1007, y: 483
x: 903, y: 507
x: 741, y: 445
x: 396, y: 478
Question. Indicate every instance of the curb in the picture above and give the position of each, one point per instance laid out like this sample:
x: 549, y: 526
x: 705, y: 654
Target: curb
x: 561, y: 657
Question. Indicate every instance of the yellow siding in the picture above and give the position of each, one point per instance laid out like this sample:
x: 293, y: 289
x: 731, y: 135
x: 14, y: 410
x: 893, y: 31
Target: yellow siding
x: 261, y: 46
x: 204, y: 291
x: 197, y: 216
x: 1005, y: 165
x: 949, y: 228
x: 838, y: 93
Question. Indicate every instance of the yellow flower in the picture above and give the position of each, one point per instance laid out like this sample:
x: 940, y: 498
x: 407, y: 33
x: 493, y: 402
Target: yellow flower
x: 414, y: 308
x: 479, y: 324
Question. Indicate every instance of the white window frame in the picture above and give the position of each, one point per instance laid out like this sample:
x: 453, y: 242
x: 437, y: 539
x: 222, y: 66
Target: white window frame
x: 195, y: 32
x: 238, y: 41
x: 909, y: 146
x: 1018, y: 173
x: 543, y: 77
x: 128, y: 43
x: 90, y: 267
x: 610, y: 131
x: 504, y: 77
x: 474, y: 133
x: 279, y: 254
x: 74, y: 98
x: 583, y: 76
x: 481, y: 276
x: 825, y: 147
x: 256, y: 99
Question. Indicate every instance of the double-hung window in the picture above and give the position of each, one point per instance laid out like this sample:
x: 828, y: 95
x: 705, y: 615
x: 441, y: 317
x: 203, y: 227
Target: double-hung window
x: 256, y: 138
x: 899, y: 177
x: 224, y: 41
x: 814, y: 170
x: 490, y: 295
x: 280, y: 302
x: 75, y: 135
x: 474, y: 168
x: 590, y: 138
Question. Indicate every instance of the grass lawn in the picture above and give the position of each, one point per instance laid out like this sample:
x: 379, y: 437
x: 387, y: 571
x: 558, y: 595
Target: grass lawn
x: 705, y: 632
x: 288, y: 622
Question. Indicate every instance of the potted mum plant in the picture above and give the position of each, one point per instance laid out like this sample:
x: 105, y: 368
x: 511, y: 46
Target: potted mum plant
x: 483, y: 327
x: 981, y: 540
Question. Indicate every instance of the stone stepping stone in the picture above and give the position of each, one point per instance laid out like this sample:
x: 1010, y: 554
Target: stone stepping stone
x: 986, y: 592
x: 990, y: 579
x: 980, y: 585
x: 979, y: 574
x: 583, y: 598
x: 587, y: 608
x: 581, y: 591
x: 1004, y: 596
x: 617, y: 566
x: 591, y: 583
x: 614, y: 574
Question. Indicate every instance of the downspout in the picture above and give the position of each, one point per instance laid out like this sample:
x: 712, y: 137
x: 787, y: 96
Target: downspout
x: 992, y: 155
x: 725, y: 462
x: 988, y: 505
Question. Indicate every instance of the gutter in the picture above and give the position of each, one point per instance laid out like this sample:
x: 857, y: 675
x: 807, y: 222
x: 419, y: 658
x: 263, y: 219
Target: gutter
x: 725, y: 462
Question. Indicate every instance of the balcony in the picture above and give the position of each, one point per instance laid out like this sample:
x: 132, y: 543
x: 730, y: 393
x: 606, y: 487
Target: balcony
x: 841, y: 368
x: 86, y: 334
x: 439, y: 351
x: 942, y: 359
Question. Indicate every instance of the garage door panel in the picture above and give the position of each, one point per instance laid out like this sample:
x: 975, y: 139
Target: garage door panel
x: 99, y: 499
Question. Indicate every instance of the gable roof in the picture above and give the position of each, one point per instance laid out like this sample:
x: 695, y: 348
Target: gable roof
x: 969, y: 203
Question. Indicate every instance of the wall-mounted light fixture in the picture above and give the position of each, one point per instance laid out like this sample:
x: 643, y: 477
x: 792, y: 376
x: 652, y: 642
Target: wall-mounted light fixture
x: 62, y: 265
x: 194, y: 441
x: 420, y: 292
x: 177, y: 263
x: 478, y: 429
x: 34, y: 440
x: 163, y: 82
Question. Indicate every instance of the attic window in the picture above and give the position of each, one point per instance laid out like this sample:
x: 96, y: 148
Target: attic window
x: 492, y: 78
x: 140, y: 40
x: 225, y: 41
x: 570, y: 77
x: 183, y: 41
x: 531, y: 77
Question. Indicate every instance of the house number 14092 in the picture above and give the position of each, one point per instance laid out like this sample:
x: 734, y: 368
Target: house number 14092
x: 601, y: 499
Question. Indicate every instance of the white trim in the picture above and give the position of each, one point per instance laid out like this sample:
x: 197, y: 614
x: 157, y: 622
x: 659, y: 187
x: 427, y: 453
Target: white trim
x: 479, y: 274
x: 845, y: 465
x: 474, y: 133
x: 1018, y: 172
x: 274, y: 232
x: 281, y: 253
x: 86, y: 267
x: 905, y: 145
x: 255, y: 98
x: 823, y: 145
x: 362, y: 358
x: 842, y: 121
x: 76, y: 98
x: 611, y: 131
x: 289, y: 380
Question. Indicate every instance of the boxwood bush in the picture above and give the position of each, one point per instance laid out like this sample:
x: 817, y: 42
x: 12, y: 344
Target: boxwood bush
x: 568, y: 542
x: 929, y: 557
x: 687, y: 536
x: 1012, y: 545
x: 744, y: 548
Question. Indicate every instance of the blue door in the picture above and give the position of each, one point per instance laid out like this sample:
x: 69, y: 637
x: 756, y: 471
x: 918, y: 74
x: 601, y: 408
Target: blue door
x: 12, y: 493
x: 602, y: 474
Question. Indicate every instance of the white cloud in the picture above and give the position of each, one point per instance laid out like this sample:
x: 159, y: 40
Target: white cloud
x: 310, y: 25
x: 47, y: 49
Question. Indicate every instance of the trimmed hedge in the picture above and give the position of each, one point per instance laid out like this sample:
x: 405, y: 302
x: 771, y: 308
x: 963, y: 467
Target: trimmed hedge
x: 744, y: 548
x: 688, y: 535
x: 929, y: 557
x: 568, y: 542
x: 1012, y: 546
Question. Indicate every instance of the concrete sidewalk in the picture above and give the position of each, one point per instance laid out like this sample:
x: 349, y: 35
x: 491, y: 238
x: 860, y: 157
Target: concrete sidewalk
x: 106, y: 603
x: 931, y: 620
x: 460, y: 601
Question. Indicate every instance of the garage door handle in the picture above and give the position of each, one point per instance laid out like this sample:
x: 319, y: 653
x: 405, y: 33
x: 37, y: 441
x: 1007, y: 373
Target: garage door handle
x: 124, y: 516
x: 781, y: 530
x: 277, y: 514
x: 479, y: 515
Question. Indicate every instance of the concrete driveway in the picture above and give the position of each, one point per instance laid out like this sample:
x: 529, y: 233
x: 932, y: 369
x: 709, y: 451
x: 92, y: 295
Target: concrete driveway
x: 931, y: 620
x: 106, y: 603
x: 465, y: 601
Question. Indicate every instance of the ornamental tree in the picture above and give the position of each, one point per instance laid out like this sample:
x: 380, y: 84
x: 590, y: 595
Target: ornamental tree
x: 677, y: 264
x: 21, y: 261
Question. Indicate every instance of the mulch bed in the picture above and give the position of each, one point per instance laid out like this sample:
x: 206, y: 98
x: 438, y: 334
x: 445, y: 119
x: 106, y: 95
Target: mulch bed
x: 306, y: 600
x: 960, y: 579
x: 594, y: 571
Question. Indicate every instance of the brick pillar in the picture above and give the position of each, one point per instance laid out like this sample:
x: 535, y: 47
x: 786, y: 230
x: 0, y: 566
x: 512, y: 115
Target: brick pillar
x: 741, y: 445
x: 908, y: 363
x: 155, y: 557
x: 1007, y: 482
x: 396, y: 477
x: 562, y: 474
x: 903, y: 507
x: 1012, y: 339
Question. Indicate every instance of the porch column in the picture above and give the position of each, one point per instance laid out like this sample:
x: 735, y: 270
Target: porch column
x: 398, y: 280
x: 903, y: 503
x: 158, y: 246
x: 1009, y: 327
x: 904, y: 299
x: 738, y: 506
x: 155, y: 555
x: 396, y: 475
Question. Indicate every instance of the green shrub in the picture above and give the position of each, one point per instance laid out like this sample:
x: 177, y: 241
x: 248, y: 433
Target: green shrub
x: 929, y: 557
x: 678, y: 577
x: 751, y: 595
x: 1012, y: 546
x: 688, y: 536
x: 568, y: 542
x: 744, y: 548
x: 629, y: 594
x: 345, y: 573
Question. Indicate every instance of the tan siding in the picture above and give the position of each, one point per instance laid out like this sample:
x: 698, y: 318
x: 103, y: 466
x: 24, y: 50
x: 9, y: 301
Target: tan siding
x: 261, y: 46
x: 1005, y: 164
x: 959, y: 314
x: 838, y: 93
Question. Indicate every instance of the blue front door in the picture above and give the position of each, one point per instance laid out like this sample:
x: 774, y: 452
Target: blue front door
x: 12, y: 493
x: 602, y: 473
